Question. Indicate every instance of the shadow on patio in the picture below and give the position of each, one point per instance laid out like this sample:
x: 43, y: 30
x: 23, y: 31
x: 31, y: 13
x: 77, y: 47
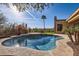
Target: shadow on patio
x: 75, y: 48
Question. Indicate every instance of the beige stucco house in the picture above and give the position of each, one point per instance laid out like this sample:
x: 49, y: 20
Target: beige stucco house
x: 71, y: 21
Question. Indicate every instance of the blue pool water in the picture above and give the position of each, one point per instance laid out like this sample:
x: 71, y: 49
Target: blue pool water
x: 35, y: 41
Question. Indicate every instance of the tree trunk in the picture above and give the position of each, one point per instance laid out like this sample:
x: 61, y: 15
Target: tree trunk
x: 76, y: 38
x: 44, y: 23
x: 70, y: 37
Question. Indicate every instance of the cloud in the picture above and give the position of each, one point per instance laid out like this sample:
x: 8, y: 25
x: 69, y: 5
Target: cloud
x: 20, y: 17
x: 14, y: 16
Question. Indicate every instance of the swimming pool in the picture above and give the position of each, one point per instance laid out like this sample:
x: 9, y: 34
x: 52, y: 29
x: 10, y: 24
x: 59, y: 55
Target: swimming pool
x: 35, y: 41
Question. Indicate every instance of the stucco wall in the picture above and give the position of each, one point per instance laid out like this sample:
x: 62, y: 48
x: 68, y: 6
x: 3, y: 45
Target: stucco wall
x: 64, y: 24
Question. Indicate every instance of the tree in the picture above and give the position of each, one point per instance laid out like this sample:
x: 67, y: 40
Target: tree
x: 25, y: 6
x: 36, y: 6
x: 2, y: 21
x: 75, y: 31
x: 2, y: 18
x: 69, y: 33
x: 43, y: 17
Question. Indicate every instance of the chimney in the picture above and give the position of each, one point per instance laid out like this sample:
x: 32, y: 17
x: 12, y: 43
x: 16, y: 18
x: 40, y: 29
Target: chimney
x: 55, y: 17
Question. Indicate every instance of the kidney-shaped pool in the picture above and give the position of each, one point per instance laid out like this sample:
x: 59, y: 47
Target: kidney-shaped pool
x: 35, y: 41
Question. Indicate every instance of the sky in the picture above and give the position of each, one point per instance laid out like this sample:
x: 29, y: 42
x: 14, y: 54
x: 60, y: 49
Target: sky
x: 33, y: 18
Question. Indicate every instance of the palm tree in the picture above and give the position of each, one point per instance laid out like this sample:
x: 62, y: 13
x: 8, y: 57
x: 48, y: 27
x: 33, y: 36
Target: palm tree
x: 43, y: 17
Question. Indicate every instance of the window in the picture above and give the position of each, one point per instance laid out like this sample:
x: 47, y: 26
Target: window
x: 59, y: 27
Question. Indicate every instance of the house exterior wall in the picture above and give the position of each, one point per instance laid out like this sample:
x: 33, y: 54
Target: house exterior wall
x: 57, y: 22
x: 72, y: 21
x: 63, y: 26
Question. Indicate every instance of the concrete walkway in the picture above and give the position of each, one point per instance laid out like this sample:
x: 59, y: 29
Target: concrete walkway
x: 63, y: 49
